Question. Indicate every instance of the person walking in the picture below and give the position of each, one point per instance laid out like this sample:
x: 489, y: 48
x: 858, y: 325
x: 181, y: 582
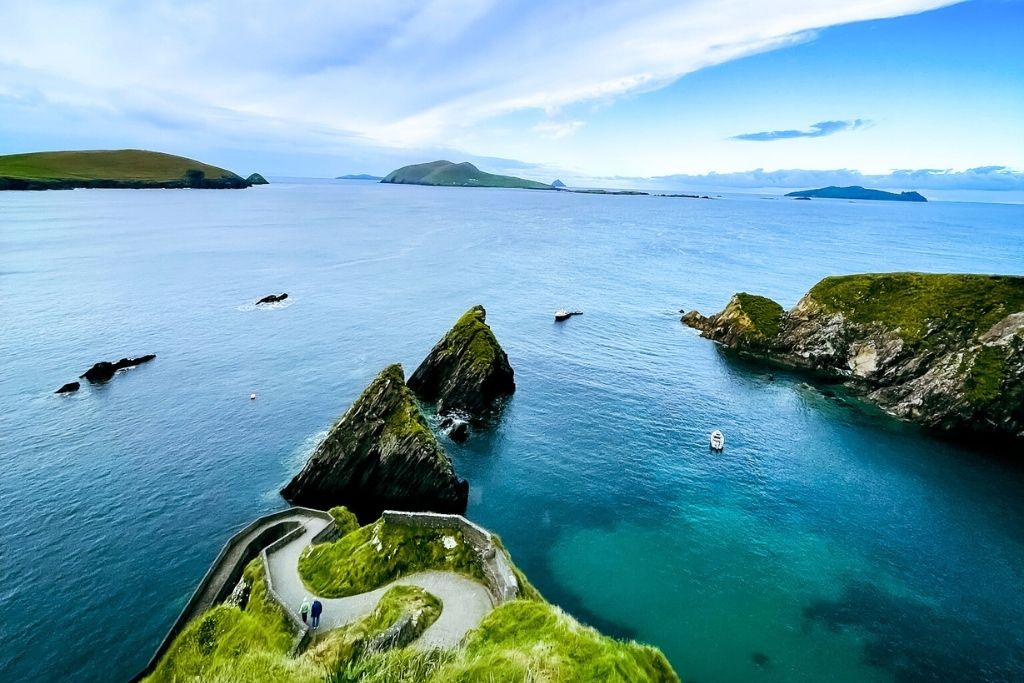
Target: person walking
x: 315, y: 611
x: 304, y: 609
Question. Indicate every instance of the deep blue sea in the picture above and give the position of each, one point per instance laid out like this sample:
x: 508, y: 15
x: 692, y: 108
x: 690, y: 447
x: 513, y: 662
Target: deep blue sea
x: 828, y: 542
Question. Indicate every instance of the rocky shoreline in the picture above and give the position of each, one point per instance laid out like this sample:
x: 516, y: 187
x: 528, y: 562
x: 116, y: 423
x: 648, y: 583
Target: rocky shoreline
x: 945, y: 351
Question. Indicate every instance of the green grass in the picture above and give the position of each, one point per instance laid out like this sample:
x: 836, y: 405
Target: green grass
x: 344, y: 519
x: 461, y: 175
x: 917, y: 304
x: 985, y: 375
x: 473, y: 338
x: 765, y: 315
x: 521, y: 640
x: 118, y: 165
x: 229, y: 644
x: 335, y: 648
x: 353, y: 564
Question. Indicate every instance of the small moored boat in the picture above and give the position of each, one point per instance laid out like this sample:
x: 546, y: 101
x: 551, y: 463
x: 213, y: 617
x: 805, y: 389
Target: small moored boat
x: 562, y: 314
x: 717, y: 441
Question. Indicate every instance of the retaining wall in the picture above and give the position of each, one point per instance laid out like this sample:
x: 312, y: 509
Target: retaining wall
x: 500, y: 579
x: 226, y: 570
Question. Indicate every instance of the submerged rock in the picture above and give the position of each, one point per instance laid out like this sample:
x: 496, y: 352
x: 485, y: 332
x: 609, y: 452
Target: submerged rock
x: 467, y: 371
x: 104, y: 370
x: 946, y: 351
x: 380, y: 455
x: 68, y: 388
x: 272, y: 298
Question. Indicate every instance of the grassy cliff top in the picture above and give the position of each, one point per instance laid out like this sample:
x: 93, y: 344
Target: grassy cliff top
x: 120, y: 165
x: 461, y: 175
x: 765, y: 315
x: 915, y: 303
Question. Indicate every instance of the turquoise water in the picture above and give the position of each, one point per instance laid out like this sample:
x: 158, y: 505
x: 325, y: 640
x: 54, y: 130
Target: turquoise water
x: 827, y: 543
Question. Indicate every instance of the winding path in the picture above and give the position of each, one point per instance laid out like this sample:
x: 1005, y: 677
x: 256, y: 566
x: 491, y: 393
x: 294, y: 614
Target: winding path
x: 464, y: 602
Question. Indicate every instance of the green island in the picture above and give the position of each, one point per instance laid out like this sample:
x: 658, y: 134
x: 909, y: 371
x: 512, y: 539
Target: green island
x: 457, y: 175
x: 944, y: 350
x: 251, y: 638
x: 857, y: 192
x: 124, y: 168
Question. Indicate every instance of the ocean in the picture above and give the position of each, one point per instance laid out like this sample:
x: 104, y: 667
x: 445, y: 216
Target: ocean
x: 828, y: 541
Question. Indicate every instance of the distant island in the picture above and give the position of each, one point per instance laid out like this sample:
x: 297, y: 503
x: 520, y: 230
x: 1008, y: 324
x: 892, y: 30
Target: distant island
x: 125, y: 168
x: 857, y: 192
x: 457, y: 175
x: 359, y: 176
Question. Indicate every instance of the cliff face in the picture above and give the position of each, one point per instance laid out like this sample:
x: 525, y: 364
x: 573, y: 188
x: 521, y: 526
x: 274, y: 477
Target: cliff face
x: 380, y: 455
x: 467, y: 371
x: 943, y: 350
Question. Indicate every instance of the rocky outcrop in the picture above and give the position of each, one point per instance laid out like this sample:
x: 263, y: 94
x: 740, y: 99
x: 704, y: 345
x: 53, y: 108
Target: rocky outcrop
x: 69, y: 388
x: 257, y: 179
x: 380, y: 455
x: 946, y: 351
x: 272, y: 298
x: 104, y: 370
x: 467, y: 371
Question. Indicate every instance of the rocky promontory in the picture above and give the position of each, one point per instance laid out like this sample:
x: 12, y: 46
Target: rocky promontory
x: 380, y: 455
x: 467, y: 372
x: 944, y: 350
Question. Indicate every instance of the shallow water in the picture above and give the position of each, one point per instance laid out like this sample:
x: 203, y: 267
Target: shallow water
x: 828, y: 542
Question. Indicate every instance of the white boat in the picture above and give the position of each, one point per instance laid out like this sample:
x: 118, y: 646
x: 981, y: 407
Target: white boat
x: 717, y: 441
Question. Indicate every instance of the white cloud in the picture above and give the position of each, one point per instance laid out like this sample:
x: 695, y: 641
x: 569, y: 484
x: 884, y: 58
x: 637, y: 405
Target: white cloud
x: 556, y: 130
x: 402, y: 73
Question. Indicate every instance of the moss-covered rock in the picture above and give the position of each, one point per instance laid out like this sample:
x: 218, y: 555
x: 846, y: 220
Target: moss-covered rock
x: 467, y: 371
x: 940, y: 349
x: 380, y: 455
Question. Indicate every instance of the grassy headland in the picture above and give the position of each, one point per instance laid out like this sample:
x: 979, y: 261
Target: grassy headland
x: 125, y: 168
x: 458, y: 175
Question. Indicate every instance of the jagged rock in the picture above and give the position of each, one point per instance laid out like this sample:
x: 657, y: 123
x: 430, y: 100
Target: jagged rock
x: 104, y: 370
x: 257, y: 179
x: 946, y: 351
x: 68, y: 388
x: 272, y: 298
x: 467, y: 371
x: 456, y: 427
x: 380, y: 455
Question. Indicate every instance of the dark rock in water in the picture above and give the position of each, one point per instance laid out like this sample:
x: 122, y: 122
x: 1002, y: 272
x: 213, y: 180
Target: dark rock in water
x: 104, y: 370
x: 467, y: 371
x: 456, y: 427
x: 380, y: 455
x: 68, y: 388
x: 257, y: 179
x: 272, y: 298
x: 761, y: 659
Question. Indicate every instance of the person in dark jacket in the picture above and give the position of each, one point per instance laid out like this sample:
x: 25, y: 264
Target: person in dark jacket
x: 315, y: 611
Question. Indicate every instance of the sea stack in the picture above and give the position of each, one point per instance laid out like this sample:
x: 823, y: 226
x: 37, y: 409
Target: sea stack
x: 380, y: 455
x: 467, y: 372
x: 944, y: 350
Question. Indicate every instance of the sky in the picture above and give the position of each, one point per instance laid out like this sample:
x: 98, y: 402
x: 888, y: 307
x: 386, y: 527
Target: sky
x: 905, y: 94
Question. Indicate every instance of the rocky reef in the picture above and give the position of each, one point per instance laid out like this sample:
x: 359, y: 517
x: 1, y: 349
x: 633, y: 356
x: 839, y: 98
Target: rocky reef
x: 467, y: 372
x: 104, y: 370
x: 943, y: 350
x: 380, y: 455
x: 69, y: 388
x: 272, y: 298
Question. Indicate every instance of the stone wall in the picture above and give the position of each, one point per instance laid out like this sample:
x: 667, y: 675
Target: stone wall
x: 495, y: 563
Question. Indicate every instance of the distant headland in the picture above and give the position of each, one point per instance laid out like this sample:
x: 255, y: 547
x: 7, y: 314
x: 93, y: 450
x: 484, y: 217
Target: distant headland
x: 457, y: 175
x: 857, y: 192
x: 359, y: 176
x: 123, y: 168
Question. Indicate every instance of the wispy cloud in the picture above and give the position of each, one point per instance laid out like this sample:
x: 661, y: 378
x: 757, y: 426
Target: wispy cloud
x: 555, y: 130
x: 817, y: 130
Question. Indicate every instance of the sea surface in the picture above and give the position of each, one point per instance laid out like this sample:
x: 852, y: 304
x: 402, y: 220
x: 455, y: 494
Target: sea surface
x: 827, y: 543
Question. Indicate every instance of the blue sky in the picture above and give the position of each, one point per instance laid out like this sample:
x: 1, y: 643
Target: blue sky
x: 603, y: 93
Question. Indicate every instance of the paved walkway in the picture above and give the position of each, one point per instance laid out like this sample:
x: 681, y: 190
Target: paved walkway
x: 464, y: 602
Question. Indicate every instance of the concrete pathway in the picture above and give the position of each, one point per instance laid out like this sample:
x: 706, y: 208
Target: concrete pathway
x: 464, y: 602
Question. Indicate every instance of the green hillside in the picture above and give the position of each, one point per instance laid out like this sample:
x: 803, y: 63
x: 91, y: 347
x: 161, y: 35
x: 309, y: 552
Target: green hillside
x: 858, y: 192
x: 458, y: 175
x: 132, y: 168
